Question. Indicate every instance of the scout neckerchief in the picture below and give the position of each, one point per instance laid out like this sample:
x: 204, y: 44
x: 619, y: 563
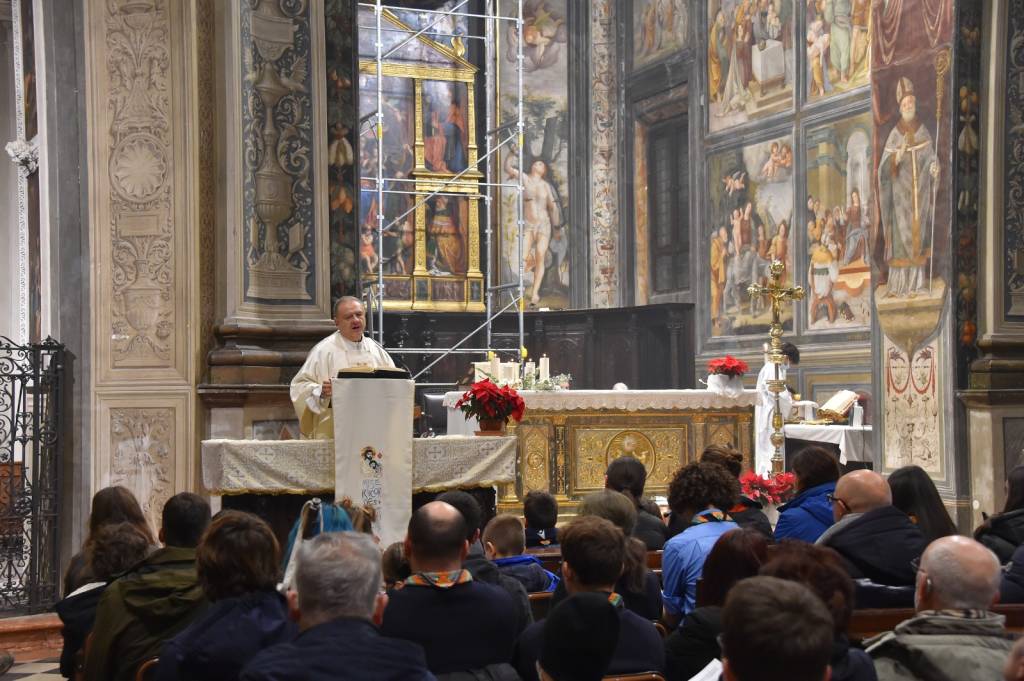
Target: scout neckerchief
x: 441, y: 580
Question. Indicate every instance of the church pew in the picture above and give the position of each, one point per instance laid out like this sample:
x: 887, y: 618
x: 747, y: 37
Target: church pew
x: 870, y: 622
x: 540, y: 604
x: 550, y: 558
x: 654, y: 560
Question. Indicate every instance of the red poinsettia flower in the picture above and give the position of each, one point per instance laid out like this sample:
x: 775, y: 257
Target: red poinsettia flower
x: 776, y: 489
x: 728, y: 365
x: 486, y: 400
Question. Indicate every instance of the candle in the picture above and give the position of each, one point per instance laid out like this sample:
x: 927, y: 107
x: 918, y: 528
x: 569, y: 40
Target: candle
x: 495, y: 368
x: 545, y: 368
x: 531, y: 369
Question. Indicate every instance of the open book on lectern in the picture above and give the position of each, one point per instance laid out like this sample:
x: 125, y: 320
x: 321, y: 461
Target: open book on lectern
x: 372, y: 372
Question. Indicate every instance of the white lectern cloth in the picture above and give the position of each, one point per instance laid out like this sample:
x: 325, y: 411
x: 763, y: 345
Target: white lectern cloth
x: 373, y: 449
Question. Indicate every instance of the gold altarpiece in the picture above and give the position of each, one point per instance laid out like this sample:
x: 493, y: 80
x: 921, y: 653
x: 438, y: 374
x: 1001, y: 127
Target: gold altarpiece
x: 445, y: 265
x: 566, y: 452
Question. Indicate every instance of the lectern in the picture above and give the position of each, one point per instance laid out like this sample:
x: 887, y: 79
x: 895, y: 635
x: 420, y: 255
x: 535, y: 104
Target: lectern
x: 373, y: 447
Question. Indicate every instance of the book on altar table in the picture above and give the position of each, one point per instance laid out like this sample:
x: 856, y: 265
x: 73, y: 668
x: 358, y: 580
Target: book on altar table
x: 839, y: 405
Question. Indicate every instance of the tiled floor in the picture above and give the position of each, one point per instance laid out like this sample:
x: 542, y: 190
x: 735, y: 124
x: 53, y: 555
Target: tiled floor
x: 44, y: 670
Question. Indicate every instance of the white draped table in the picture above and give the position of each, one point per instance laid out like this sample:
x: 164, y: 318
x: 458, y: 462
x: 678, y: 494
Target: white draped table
x: 854, y: 441
x: 307, y: 466
x: 616, y: 400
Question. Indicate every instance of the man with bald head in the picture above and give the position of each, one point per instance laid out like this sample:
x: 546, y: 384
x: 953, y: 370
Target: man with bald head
x: 344, y: 349
x: 953, y: 636
x: 876, y: 540
x: 462, y: 624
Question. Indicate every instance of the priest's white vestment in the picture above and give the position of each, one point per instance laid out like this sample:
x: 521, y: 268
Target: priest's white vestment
x: 325, y: 360
x: 764, y: 449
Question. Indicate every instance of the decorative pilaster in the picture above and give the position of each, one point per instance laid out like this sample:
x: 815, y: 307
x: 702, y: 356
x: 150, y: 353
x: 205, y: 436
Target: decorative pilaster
x: 141, y: 104
x: 276, y: 160
x: 604, y: 131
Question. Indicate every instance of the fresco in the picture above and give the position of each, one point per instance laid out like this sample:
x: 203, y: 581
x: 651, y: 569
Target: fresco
x: 750, y: 60
x: 839, y: 206
x: 544, y: 158
x: 838, y: 46
x: 910, y: 86
x: 750, y: 198
x: 660, y: 29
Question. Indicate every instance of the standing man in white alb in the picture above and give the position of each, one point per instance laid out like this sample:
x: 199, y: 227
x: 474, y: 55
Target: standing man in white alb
x: 766, y: 407
x: 344, y: 349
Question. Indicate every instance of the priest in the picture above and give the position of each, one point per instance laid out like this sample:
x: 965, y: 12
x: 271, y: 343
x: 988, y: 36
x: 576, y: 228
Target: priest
x: 344, y: 349
x: 765, y: 409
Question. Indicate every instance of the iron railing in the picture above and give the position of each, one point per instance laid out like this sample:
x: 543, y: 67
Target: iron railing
x: 31, y: 425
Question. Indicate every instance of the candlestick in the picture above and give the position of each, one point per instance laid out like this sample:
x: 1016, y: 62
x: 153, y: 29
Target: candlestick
x: 545, y: 368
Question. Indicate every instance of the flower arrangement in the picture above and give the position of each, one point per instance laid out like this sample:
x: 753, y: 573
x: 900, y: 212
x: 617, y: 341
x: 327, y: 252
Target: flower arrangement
x: 777, y: 489
x: 486, y: 401
x: 727, y: 366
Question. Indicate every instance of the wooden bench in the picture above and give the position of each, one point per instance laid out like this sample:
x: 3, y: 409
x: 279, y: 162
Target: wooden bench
x: 540, y: 604
x: 550, y: 558
x: 867, y: 623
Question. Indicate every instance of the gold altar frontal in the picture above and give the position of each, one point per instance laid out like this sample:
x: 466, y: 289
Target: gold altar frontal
x: 566, y: 452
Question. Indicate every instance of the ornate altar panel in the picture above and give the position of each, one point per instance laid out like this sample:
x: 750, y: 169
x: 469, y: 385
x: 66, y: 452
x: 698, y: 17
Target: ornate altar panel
x: 565, y: 450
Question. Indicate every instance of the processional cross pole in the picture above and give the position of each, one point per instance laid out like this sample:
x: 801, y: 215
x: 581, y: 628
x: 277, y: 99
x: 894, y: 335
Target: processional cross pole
x: 779, y: 295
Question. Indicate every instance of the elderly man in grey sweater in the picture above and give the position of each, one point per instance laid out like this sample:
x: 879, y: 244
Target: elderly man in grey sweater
x: 953, y: 636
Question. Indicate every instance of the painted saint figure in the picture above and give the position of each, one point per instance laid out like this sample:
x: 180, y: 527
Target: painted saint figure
x: 541, y: 213
x: 444, y: 232
x: 906, y: 177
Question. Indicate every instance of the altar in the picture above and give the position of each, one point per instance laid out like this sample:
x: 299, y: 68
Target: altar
x: 567, y: 437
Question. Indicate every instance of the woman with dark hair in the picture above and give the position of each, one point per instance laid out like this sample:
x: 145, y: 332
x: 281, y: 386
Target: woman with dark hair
x: 738, y: 554
x: 809, y: 513
x: 1004, y: 532
x: 238, y: 566
x: 822, y: 571
x: 110, y: 506
x: 638, y: 585
x: 699, y: 494
x: 112, y: 549
x: 914, y: 493
x: 745, y: 512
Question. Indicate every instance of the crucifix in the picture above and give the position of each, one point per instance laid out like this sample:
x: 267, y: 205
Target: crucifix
x: 778, y: 294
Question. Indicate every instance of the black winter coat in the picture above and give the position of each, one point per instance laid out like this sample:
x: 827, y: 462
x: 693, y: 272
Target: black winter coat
x: 1003, y: 533
x: 694, y: 644
x: 880, y: 545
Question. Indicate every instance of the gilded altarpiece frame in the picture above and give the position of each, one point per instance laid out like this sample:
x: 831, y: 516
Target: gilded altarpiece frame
x: 436, y: 283
x: 566, y: 452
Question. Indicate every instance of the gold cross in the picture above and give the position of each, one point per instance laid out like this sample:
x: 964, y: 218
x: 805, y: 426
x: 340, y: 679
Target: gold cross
x: 778, y: 294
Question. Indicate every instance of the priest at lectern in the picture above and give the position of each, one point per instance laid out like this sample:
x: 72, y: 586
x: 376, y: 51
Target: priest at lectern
x: 344, y: 349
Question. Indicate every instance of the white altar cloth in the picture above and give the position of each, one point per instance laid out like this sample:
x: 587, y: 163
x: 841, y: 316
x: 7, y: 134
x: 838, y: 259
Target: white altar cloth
x: 619, y: 400
x: 307, y: 466
x: 854, y: 441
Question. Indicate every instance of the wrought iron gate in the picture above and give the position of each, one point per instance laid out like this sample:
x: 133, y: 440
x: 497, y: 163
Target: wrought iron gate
x: 31, y: 429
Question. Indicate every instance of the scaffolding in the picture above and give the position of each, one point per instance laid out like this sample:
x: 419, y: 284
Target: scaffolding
x: 496, y: 137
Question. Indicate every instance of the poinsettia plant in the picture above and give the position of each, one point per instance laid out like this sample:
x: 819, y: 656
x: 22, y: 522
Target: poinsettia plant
x: 776, y: 489
x: 485, y: 400
x: 728, y: 365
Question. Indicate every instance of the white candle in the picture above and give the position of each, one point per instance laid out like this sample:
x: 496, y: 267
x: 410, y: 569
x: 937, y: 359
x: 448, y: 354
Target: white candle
x: 495, y: 369
x: 545, y: 368
x: 531, y: 369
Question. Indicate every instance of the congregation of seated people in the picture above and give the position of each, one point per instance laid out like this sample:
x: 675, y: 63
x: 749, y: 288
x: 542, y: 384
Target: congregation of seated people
x: 708, y: 589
